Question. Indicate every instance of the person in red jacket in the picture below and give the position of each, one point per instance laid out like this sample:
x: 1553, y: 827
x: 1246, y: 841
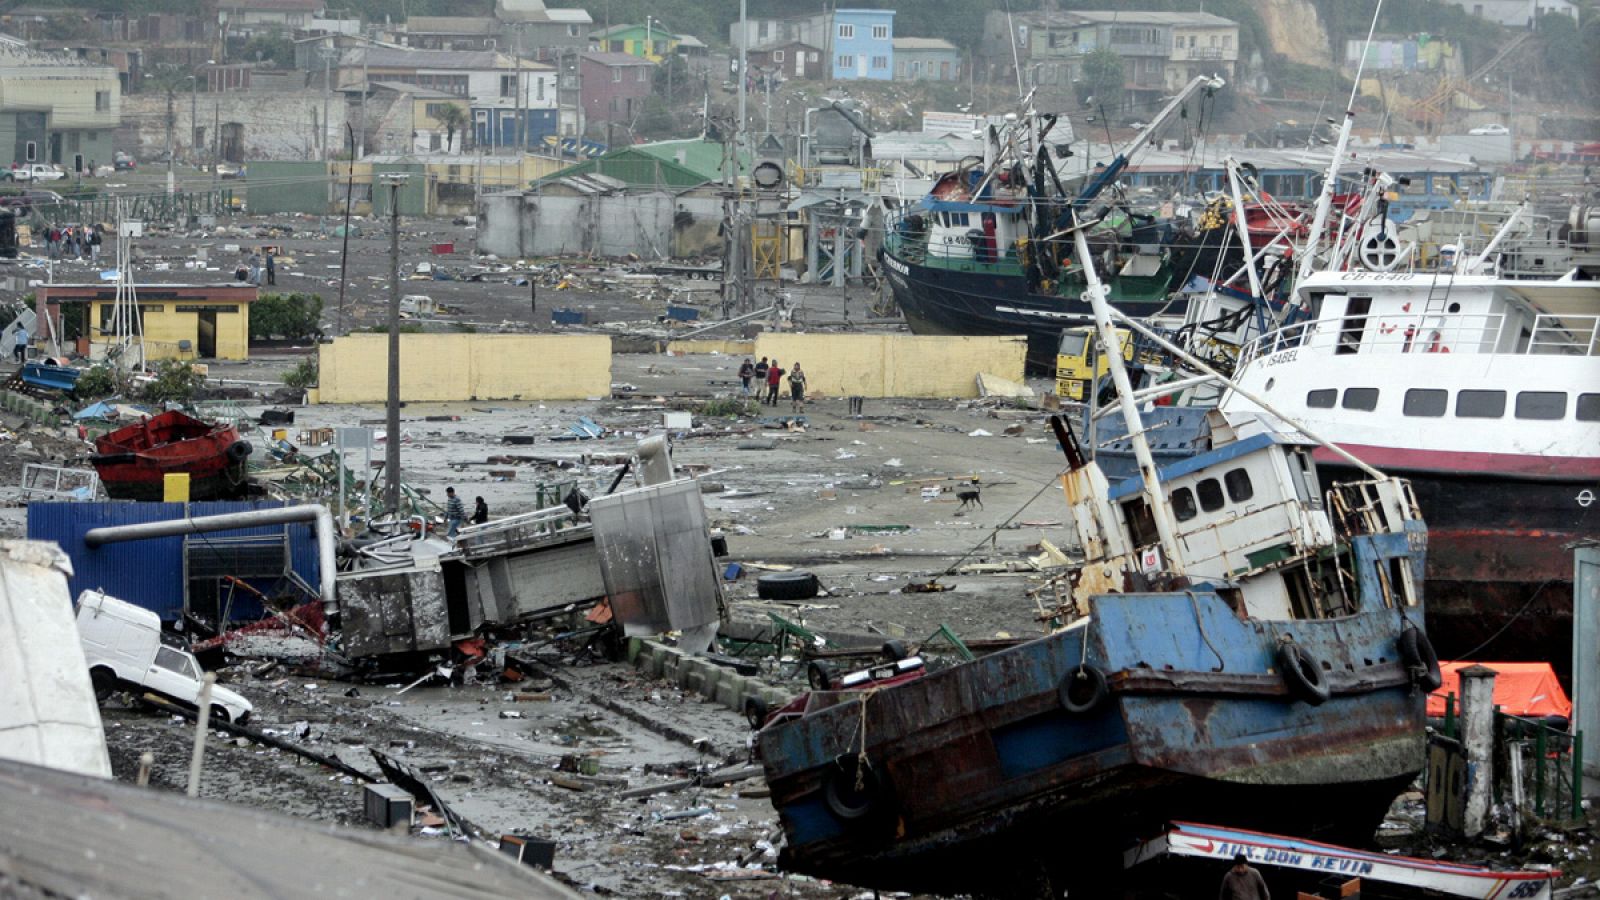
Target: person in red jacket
x: 774, y: 375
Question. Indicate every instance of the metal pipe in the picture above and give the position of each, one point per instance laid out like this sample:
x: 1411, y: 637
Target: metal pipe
x: 314, y: 513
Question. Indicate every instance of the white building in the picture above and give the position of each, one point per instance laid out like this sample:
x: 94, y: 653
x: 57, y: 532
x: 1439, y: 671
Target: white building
x: 1516, y: 13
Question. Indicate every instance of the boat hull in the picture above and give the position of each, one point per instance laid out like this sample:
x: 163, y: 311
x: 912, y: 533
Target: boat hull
x: 133, y: 461
x: 987, y: 755
x: 1498, y: 579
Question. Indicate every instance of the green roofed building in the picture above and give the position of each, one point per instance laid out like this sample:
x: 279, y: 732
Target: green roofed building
x: 669, y: 165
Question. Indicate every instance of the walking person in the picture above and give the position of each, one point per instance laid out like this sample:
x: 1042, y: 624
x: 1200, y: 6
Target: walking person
x: 454, y: 512
x: 480, y: 512
x: 51, y: 238
x: 94, y: 245
x: 746, y: 372
x: 272, y: 267
x: 760, y: 373
x: 797, y: 389
x: 1243, y: 882
x: 774, y: 377
x: 255, y: 269
x: 20, y: 349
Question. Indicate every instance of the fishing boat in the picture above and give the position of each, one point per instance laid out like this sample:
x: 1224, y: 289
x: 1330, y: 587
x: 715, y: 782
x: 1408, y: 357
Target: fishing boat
x: 133, y: 461
x: 1238, y: 642
x: 1479, y: 381
x: 987, y: 245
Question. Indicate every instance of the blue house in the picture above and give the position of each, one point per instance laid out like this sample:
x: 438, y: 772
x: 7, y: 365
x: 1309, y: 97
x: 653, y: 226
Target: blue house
x: 863, y: 44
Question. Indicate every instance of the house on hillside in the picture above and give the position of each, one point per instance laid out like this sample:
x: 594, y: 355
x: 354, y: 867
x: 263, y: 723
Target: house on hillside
x: 862, y: 46
x: 243, y: 19
x: 926, y: 59
x: 648, y: 41
x: 543, y: 33
x: 56, y: 108
x: 791, y: 59
x: 1517, y: 13
x: 452, y: 33
x: 614, y: 86
x: 513, y: 101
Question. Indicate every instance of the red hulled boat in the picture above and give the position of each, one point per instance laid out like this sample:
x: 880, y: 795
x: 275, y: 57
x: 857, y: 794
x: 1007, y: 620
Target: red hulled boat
x: 134, y: 460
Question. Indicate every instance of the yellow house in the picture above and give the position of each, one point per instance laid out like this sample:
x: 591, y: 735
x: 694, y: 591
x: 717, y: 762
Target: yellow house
x: 178, y: 321
x: 649, y: 41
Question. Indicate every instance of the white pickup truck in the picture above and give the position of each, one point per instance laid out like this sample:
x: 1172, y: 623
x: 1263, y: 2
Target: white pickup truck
x: 33, y: 172
x: 124, y: 649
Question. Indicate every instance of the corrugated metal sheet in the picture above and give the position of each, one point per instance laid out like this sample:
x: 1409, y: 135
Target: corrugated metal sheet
x: 150, y: 573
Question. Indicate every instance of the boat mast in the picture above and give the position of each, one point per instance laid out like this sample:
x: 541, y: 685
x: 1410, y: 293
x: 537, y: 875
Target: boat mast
x: 1319, y: 220
x: 1111, y: 348
x: 1232, y: 167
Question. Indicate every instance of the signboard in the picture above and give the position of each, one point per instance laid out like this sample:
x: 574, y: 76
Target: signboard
x: 1451, y: 879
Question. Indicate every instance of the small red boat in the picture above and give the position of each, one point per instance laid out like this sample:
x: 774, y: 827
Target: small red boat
x: 133, y: 461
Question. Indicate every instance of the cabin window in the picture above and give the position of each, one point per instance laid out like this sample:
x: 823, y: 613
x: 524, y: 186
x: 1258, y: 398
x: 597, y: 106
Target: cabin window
x: 1210, y: 491
x: 1429, y: 402
x: 1183, y: 507
x: 1141, y: 524
x: 1481, y: 404
x: 1305, y: 480
x: 1322, y: 399
x: 1588, y: 408
x: 1073, y: 342
x: 1239, y: 487
x: 1360, y: 398
x: 1354, y: 325
x: 1542, y: 405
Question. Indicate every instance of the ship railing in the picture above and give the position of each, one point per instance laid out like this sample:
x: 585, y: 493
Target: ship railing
x: 1487, y: 333
x: 956, y: 254
x: 1565, y: 335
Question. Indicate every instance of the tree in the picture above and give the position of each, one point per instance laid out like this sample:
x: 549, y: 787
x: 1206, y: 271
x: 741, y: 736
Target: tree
x: 1103, y: 78
x: 270, y: 48
x: 454, y: 119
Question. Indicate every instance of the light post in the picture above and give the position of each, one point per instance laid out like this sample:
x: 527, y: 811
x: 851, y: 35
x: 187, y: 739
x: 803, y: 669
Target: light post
x: 391, y: 458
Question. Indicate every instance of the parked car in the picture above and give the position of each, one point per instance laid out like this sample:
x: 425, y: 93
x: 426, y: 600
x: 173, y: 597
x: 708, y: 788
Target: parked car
x: 230, y: 170
x: 124, y: 649
x: 25, y: 201
x: 122, y: 162
x: 1495, y: 128
x: 33, y: 172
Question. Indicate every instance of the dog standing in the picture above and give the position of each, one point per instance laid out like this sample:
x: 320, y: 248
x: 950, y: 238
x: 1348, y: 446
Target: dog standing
x: 971, y: 497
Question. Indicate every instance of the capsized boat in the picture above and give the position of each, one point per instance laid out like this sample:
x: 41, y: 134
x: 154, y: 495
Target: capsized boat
x: 134, y: 460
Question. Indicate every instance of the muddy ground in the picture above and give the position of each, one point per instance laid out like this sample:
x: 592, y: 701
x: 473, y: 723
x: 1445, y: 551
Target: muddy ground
x: 844, y: 498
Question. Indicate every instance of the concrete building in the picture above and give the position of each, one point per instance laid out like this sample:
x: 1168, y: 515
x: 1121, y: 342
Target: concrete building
x: 452, y: 33
x: 246, y: 18
x: 1161, y: 51
x: 543, y: 33
x: 56, y: 108
x: 615, y: 86
x: 237, y: 126
x: 1516, y: 13
x: 862, y: 44
x: 926, y: 59
x: 791, y: 59
x: 511, y: 100
x: 179, y: 321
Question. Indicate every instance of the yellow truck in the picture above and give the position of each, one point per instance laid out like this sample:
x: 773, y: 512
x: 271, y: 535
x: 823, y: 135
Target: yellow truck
x: 1079, y: 363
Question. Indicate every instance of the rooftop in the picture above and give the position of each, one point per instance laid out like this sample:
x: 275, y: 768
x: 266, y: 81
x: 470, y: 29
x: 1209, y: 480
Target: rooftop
x: 14, y: 55
x: 273, y: 5
x: 616, y: 59
x: 479, y: 60
x: 452, y: 25
x: 624, y: 28
x: 1125, y: 17
x: 922, y: 43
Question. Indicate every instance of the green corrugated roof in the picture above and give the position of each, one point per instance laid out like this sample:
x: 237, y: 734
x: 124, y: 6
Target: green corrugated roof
x: 684, y: 163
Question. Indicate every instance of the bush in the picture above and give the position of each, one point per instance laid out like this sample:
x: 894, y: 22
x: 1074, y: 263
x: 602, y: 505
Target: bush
x: 294, y: 316
x: 728, y: 407
x: 302, y: 376
x: 175, y: 382
x: 95, y: 383
x: 405, y: 328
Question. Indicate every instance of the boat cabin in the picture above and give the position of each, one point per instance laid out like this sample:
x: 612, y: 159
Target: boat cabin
x: 1250, y: 521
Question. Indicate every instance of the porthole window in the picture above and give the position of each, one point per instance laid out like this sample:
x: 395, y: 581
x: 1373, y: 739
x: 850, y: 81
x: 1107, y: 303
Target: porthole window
x: 1480, y: 404
x: 1360, y: 398
x: 1322, y: 399
x: 1545, y: 405
x: 1210, y: 492
x: 1183, y: 506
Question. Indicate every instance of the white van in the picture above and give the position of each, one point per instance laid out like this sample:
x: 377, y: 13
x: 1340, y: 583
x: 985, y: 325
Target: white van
x: 124, y: 649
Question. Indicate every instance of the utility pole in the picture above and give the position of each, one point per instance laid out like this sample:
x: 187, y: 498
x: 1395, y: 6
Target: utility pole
x: 744, y: 71
x: 391, y: 460
x: 172, y: 178
x: 194, y: 117
x: 361, y: 132
x: 521, y: 100
x: 327, y: 94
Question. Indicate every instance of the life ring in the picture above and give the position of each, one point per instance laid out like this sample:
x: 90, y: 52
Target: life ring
x: 1084, y: 690
x: 853, y: 790
x: 239, y: 451
x: 1420, y: 659
x: 1302, y: 673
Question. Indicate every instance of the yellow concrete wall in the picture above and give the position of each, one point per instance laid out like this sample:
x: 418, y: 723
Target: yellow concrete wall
x: 894, y: 365
x: 447, y: 367
x: 740, y: 349
x: 164, y: 329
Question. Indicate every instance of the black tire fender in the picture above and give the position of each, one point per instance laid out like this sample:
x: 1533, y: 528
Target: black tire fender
x: 820, y: 676
x: 853, y: 790
x: 787, y: 586
x: 1302, y: 673
x: 1417, y: 652
x: 1084, y: 689
x: 239, y: 451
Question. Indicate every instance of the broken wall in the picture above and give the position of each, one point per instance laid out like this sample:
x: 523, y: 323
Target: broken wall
x: 894, y: 365
x: 451, y: 367
x: 647, y: 224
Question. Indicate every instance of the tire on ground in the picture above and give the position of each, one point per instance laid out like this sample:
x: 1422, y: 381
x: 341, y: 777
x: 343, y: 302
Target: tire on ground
x: 787, y: 586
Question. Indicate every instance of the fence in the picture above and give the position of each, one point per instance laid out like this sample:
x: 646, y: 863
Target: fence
x: 182, y: 206
x: 1548, y: 761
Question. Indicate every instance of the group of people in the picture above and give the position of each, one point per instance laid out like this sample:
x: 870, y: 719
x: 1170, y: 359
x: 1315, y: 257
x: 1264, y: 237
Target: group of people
x: 258, y: 266
x: 768, y: 376
x: 455, y: 512
x: 74, y: 242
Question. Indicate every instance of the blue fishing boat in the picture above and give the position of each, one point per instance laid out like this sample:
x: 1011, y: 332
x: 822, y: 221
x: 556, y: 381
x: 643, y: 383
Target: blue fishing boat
x: 1240, y: 645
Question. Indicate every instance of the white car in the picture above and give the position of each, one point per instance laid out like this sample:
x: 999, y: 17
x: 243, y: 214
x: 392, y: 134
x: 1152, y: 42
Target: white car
x: 1496, y: 129
x: 34, y: 172
x: 123, y: 646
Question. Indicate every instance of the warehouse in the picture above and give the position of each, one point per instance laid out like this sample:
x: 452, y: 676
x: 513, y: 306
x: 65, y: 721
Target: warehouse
x: 178, y: 321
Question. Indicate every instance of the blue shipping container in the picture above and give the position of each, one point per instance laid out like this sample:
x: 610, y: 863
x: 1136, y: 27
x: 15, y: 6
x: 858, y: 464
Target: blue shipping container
x: 150, y: 573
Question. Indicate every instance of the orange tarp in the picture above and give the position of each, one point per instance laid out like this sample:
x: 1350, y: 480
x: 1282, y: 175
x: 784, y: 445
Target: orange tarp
x: 1521, y: 689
